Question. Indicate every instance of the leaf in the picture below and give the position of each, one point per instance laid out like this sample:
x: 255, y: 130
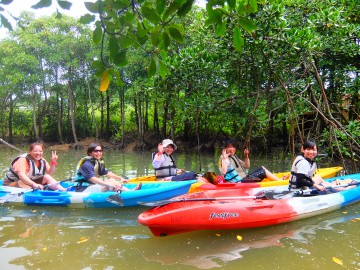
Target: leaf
x: 105, y: 81
x: 92, y: 7
x: 231, y: 3
x: 87, y: 18
x: 42, y: 4
x: 120, y: 59
x: 58, y: 14
x: 6, y: 2
x: 253, y: 5
x: 171, y: 9
x: 166, y: 40
x: 82, y: 240
x: 97, y: 34
x: 338, y: 261
x: 221, y: 29
x: 239, y: 237
x: 152, y: 68
x: 185, y: 8
x: 163, y: 70
x: 64, y: 4
x: 238, y: 40
x: 176, y: 34
x: 248, y: 25
x: 150, y: 14
x: 5, y: 22
x: 114, y: 47
x: 160, y: 6
x: 217, y: 234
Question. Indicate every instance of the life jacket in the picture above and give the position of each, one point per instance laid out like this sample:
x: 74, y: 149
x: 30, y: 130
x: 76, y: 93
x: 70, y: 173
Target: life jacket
x: 98, y: 167
x: 34, y: 172
x: 167, y: 168
x: 231, y: 174
x: 236, y: 163
x: 294, y: 171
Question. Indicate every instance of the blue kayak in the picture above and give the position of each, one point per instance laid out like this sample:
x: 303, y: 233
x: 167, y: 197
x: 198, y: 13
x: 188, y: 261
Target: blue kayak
x: 152, y: 191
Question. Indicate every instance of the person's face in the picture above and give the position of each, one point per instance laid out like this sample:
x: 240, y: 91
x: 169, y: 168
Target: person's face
x: 310, y: 153
x: 37, y: 152
x: 231, y: 150
x: 97, y: 152
x: 169, y: 149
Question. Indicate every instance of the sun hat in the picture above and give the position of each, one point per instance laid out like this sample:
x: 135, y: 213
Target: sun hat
x: 166, y: 142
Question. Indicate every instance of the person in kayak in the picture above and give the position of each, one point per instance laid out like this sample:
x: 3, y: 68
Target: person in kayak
x: 304, y: 168
x: 91, y: 168
x: 31, y: 170
x: 165, y: 167
x: 234, y: 169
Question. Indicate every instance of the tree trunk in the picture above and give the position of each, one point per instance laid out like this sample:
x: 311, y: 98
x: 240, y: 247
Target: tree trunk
x: 34, y: 105
x: 11, y: 115
x: 72, y: 110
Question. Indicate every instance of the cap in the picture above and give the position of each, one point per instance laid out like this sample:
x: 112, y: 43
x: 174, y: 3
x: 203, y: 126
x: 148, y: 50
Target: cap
x: 166, y: 142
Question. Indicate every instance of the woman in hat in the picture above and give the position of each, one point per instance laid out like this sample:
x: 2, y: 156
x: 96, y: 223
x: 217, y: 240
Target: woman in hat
x: 163, y: 162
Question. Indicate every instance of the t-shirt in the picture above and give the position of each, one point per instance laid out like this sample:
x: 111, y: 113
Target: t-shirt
x: 87, y: 170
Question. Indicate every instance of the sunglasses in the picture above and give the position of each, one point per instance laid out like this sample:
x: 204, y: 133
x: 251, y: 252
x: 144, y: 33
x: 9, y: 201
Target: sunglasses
x: 97, y: 151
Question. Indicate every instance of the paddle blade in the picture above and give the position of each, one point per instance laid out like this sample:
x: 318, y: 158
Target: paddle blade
x: 155, y: 203
x: 115, y: 199
x: 279, y: 195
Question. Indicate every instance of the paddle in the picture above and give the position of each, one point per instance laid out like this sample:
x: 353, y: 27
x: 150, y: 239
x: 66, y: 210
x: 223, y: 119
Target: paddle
x: 13, y: 196
x: 164, y: 202
x: 291, y: 193
x: 116, y: 198
x: 8, y: 144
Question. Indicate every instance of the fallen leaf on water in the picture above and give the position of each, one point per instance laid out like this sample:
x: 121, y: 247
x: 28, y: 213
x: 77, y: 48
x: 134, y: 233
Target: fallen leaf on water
x: 344, y: 212
x: 82, y: 240
x: 239, y: 237
x: 44, y: 249
x: 338, y: 261
x: 26, y: 234
x: 357, y: 218
x: 352, y: 220
x: 217, y: 234
x: 34, y: 211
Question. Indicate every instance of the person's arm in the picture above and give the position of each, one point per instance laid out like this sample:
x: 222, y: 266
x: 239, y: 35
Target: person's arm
x: 246, y: 162
x: 158, y: 158
x: 50, y: 169
x: 27, y: 181
x: 116, y: 177
x: 224, y: 162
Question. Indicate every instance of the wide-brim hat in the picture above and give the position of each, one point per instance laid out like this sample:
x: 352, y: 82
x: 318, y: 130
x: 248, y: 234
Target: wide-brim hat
x: 167, y: 142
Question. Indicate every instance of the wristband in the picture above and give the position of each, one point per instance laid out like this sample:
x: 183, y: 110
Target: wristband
x: 53, y: 163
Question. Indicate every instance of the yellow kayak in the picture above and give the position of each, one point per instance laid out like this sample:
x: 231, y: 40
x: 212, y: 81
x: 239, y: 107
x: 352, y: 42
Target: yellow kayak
x: 323, y: 172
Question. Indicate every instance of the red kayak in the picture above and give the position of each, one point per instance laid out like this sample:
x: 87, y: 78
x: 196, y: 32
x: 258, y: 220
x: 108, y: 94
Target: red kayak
x: 240, y: 208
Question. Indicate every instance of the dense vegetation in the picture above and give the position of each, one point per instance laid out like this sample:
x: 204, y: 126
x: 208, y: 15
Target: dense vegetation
x: 266, y: 72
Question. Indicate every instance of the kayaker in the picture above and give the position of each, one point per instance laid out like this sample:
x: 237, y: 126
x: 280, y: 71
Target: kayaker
x: 31, y: 170
x: 164, y: 164
x: 234, y: 169
x: 91, y: 168
x: 304, y: 168
x: 303, y: 173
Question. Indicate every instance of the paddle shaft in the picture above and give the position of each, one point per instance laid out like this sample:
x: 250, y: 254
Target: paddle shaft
x: 159, y: 203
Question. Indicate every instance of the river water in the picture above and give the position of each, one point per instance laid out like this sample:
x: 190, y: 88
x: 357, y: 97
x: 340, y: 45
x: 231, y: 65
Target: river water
x: 64, y: 238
